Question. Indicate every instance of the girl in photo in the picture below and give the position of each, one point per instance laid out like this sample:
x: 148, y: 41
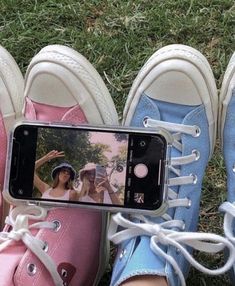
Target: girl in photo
x: 63, y: 176
x: 96, y: 190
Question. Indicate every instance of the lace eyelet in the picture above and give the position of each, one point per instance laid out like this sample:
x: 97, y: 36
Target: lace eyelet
x: 57, y: 224
x: 177, y: 251
x: 183, y: 226
x: 197, y: 131
x: 194, y: 178
x: 45, y: 246
x: 31, y: 269
x: 234, y: 168
x: 122, y: 254
x: 189, y: 203
x: 145, y: 121
x: 197, y: 154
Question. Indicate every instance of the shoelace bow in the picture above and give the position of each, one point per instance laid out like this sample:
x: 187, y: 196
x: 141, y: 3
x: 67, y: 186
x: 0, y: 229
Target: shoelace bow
x: 163, y: 233
x: 229, y: 216
x: 18, y: 219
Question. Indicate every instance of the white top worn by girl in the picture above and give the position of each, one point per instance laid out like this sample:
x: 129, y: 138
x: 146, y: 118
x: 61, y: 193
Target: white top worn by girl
x: 88, y: 199
x: 47, y: 195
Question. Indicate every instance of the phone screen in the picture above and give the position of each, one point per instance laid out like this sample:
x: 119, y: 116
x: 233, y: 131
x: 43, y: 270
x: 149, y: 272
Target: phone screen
x: 108, y: 167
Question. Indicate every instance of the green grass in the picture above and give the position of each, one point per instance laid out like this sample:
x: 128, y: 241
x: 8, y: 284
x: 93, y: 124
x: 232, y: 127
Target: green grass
x: 118, y: 37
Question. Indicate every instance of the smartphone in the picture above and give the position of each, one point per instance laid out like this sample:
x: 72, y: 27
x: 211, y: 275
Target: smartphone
x: 100, y: 176
x: 130, y: 164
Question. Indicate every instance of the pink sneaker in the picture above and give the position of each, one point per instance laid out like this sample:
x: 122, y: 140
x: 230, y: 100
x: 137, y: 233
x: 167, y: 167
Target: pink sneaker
x: 11, y: 98
x: 64, y: 246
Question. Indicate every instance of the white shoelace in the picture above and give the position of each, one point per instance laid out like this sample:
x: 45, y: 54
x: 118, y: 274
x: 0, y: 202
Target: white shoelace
x: 178, y: 129
x: 18, y: 219
x: 163, y: 233
x: 229, y: 216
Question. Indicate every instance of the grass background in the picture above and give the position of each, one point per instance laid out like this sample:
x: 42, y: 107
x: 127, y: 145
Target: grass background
x: 118, y: 37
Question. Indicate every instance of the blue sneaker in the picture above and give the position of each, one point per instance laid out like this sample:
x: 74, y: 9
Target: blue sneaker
x: 175, y: 90
x: 227, y: 135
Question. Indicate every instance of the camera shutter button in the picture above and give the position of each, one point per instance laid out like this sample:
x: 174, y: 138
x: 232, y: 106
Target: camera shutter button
x: 141, y: 170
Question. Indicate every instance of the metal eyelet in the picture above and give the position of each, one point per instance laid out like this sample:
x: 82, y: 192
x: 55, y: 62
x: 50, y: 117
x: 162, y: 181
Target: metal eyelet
x: 57, y: 224
x: 234, y: 168
x: 189, y: 203
x: 197, y: 154
x: 194, y: 178
x: 197, y: 131
x: 31, y: 269
x: 45, y: 246
x: 122, y: 254
x: 145, y: 121
x: 177, y: 251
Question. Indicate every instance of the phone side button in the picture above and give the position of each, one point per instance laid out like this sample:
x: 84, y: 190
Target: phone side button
x: 30, y: 203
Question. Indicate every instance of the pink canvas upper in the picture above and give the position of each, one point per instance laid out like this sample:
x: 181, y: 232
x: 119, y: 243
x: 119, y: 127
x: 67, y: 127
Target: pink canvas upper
x: 75, y: 247
x: 43, y: 112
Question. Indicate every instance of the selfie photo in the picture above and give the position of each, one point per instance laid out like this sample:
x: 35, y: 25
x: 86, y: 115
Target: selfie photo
x: 85, y: 166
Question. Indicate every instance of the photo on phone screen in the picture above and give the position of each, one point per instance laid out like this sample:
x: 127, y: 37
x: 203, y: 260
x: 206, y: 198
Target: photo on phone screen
x: 94, y: 163
x: 88, y: 166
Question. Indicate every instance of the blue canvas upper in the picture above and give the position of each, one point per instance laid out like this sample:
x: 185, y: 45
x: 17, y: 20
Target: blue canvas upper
x: 135, y: 256
x: 229, y: 147
x: 229, y: 157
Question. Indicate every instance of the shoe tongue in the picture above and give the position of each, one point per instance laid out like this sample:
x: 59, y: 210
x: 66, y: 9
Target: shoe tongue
x: 43, y: 112
x: 46, y: 112
x: 172, y: 112
x: 175, y: 113
x: 146, y: 107
x: 75, y: 115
